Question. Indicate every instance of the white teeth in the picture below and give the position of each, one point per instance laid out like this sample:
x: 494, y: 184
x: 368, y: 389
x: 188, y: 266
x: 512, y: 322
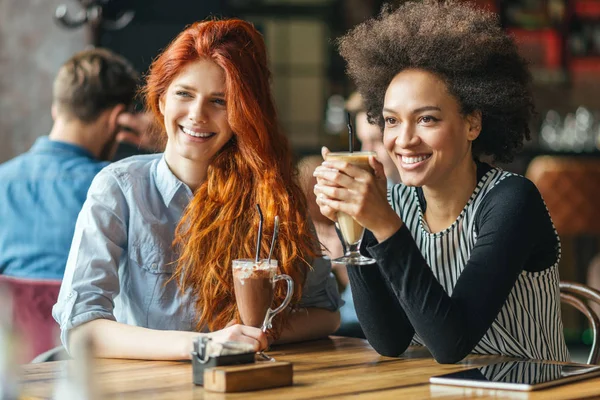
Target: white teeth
x: 196, y: 134
x: 412, y: 160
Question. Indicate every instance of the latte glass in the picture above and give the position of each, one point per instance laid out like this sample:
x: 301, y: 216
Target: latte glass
x: 254, y: 286
x: 349, y: 230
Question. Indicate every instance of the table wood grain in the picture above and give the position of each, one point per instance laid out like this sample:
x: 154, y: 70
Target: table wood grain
x: 325, y: 369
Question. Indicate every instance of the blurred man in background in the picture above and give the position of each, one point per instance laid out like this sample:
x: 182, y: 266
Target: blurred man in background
x: 43, y: 190
x: 331, y: 246
x: 371, y: 137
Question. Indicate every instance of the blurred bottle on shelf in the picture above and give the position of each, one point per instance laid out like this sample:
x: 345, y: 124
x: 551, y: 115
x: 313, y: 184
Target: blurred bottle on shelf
x: 527, y: 14
x: 578, y: 39
x: 584, y: 36
x: 556, y: 12
x: 550, y: 131
x: 335, y: 115
x: 578, y: 132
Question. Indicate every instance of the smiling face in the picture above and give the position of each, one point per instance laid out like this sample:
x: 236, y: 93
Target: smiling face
x: 425, y: 133
x: 195, y: 115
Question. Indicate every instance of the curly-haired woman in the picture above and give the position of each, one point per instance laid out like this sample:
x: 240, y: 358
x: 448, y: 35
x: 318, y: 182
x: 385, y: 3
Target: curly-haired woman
x: 150, y: 263
x: 467, y: 255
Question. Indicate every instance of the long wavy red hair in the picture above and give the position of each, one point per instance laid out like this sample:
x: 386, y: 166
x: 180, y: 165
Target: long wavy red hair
x: 254, y: 167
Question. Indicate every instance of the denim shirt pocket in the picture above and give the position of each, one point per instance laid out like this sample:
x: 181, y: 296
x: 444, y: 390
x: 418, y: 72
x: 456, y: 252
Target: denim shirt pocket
x: 151, y: 271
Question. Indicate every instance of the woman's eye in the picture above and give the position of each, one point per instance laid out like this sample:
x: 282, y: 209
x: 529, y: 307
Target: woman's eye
x: 389, y: 120
x: 427, y: 119
x: 183, y: 93
x: 220, y: 102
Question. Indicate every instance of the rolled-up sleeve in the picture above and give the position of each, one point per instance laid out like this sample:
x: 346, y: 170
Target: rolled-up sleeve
x: 91, y: 278
x: 320, y: 289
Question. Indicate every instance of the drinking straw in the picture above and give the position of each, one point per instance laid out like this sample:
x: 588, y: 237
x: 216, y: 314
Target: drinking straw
x: 259, y: 238
x: 350, y: 134
x: 275, y: 233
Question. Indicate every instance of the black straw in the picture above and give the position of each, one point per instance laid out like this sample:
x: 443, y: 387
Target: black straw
x: 259, y: 238
x: 274, y: 238
x: 350, y: 134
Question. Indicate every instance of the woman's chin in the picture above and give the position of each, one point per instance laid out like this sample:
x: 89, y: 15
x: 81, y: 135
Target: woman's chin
x: 409, y: 179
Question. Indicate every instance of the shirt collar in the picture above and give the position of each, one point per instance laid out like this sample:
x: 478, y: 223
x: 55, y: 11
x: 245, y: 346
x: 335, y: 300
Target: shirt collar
x: 44, y: 144
x: 167, y: 183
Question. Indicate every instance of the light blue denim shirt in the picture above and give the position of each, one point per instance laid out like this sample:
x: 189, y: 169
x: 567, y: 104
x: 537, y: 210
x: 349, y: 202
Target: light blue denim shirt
x: 121, y: 257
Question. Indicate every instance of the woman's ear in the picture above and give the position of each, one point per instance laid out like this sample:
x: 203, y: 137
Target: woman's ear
x: 161, y: 104
x: 474, y: 125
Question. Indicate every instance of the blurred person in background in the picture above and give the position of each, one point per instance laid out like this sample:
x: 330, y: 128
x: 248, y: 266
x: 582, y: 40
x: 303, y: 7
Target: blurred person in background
x: 43, y: 190
x: 371, y: 137
x: 138, y: 134
x: 331, y: 245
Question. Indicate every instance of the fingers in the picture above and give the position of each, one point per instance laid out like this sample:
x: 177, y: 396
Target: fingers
x: 256, y: 334
x: 327, y: 176
x: 327, y: 211
x: 324, y: 152
x: 128, y: 120
x: 337, y: 168
x: 333, y: 184
x: 324, y: 182
x: 137, y: 122
x: 231, y: 323
x: 127, y: 136
x: 334, y: 206
x: 244, y: 334
x: 332, y: 192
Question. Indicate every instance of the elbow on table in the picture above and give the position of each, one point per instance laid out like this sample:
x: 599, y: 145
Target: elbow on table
x: 331, y: 324
x: 336, y: 321
x: 388, y: 349
x: 448, y: 357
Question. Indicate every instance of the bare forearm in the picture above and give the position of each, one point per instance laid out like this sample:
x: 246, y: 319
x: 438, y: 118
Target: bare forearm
x: 310, y: 323
x: 116, y: 340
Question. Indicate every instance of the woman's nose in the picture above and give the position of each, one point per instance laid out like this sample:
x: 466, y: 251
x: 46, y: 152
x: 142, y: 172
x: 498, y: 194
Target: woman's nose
x: 406, y: 137
x: 197, y: 112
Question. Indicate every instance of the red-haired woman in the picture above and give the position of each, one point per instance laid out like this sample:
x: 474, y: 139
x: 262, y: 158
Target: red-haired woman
x: 150, y: 263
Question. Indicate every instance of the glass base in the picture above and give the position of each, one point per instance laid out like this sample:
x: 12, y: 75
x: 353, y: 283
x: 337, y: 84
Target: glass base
x: 262, y: 356
x: 354, y: 259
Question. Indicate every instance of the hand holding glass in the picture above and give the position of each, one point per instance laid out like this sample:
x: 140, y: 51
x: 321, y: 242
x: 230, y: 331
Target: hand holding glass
x: 349, y: 230
x: 254, y: 286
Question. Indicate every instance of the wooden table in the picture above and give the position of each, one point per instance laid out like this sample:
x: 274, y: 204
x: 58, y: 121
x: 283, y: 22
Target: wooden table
x: 333, y: 368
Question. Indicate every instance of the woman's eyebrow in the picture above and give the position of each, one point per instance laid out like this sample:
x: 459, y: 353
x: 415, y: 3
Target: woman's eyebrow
x: 416, y: 110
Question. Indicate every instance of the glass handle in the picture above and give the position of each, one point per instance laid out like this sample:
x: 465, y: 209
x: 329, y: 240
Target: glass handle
x: 288, y: 297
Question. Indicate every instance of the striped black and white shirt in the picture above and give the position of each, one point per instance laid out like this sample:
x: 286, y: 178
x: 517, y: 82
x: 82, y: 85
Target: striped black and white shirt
x: 488, y: 284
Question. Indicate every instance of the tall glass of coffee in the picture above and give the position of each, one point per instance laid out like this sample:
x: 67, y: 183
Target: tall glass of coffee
x: 254, y: 286
x: 349, y: 230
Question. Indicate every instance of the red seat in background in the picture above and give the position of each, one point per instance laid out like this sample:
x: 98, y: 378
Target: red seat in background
x: 32, y: 313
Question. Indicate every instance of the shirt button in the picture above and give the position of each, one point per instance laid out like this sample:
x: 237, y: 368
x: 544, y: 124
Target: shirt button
x: 154, y: 266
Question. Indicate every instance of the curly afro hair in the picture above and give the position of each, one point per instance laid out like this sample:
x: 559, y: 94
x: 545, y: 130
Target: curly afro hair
x: 465, y: 47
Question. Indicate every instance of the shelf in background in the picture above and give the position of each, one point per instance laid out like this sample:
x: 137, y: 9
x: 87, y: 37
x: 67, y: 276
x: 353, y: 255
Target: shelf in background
x: 588, y: 9
x: 541, y: 47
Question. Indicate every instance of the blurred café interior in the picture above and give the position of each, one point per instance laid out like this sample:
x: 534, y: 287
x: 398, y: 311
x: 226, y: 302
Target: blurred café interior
x: 559, y: 38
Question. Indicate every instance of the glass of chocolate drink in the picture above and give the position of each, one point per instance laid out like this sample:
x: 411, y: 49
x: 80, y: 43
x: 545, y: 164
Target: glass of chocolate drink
x: 349, y: 230
x: 254, y: 286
